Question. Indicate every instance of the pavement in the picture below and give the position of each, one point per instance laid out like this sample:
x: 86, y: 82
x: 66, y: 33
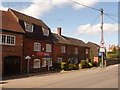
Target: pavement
x: 87, y: 78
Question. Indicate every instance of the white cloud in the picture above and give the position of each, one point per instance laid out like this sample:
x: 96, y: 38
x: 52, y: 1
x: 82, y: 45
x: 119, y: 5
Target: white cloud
x: 95, y: 29
x: 39, y: 7
x: 54, y: 30
x: 85, y: 2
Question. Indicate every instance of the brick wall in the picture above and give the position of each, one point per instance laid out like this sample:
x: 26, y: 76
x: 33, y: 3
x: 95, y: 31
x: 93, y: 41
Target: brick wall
x: 13, y: 50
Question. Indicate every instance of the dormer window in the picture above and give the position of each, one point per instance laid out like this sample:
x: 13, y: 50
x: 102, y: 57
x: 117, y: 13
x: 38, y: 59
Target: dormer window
x: 28, y: 27
x: 45, y: 32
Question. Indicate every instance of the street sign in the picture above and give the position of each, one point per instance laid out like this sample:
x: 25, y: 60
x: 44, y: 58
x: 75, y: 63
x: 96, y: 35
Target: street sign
x: 102, y: 49
x: 99, y: 54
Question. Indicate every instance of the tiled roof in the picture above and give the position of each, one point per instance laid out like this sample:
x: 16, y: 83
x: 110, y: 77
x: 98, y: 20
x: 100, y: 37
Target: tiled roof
x: 29, y: 19
x: 9, y: 23
x: 67, y: 40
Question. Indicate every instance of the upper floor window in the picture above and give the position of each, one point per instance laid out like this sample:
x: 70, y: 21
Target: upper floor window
x: 7, y: 39
x: 37, y: 46
x: 28, y: 27
x: 76, y: 50
x: 63, y: 49
x: 86, y: 51
x: 48, y: 48
x: 46, y: 32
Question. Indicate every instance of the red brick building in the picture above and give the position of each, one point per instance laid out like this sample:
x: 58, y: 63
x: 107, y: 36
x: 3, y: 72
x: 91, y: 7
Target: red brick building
x: 95, y: 50
x: 37, y: 43
x: 67, y: 49
x: 11, y: 43
x: 29, y: 46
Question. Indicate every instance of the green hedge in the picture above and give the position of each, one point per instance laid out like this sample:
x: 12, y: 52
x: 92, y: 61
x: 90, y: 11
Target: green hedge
x: 112, y: 56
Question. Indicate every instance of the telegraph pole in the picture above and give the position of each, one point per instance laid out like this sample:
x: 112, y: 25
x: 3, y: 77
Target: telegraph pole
x: 102, y: 48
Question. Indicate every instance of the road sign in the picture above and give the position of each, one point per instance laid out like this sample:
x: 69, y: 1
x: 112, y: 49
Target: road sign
x: 102, y: 49
x: 99, y: 54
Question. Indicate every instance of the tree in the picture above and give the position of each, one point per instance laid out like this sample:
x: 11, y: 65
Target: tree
x: 91, y: 56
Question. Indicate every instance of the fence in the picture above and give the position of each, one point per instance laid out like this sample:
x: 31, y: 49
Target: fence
x: 112, y: 62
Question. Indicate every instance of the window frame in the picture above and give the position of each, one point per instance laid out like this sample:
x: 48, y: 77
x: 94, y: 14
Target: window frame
x: 39, y: 46
x: 48, y: 48
x: 76, y: 50
x: 30, y: 25
x: 45, y: 62
x: 6, y: 39
x: 44, y: 32
x: 63, y: 49
x: 39, y: 63
x: 86, y: 51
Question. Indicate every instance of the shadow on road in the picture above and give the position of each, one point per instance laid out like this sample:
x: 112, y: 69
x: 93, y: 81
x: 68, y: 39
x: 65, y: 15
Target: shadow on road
x: 25, y: 75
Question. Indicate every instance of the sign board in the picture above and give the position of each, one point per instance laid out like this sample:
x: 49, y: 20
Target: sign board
x: 99, y: 54
x: 43, y: 54
x: 102, y: 49
x: 96, y: 59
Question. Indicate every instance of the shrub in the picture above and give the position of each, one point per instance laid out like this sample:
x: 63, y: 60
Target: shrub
x: 56, y: 66
x: 73, y: 66
x: 95, y: 64
x: 83, y: 63
x: 112, y: 56
x: 64, y: 65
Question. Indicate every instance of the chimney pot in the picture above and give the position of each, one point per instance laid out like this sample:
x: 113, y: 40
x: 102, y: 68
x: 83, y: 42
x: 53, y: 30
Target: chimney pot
x: 59, y: 30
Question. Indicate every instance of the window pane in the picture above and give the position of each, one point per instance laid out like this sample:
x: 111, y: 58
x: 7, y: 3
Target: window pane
x: 3, y: 39
x: 63, y: 49
x: 45, y: 32
x: 29, y: 27
x: 48, y: 48
x: 0, y: 39
x: 37, y: 47
x: 12, y: 40
x: 8, y: 39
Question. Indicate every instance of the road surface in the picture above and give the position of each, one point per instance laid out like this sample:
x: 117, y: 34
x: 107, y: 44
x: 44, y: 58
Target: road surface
x: 90, y: 78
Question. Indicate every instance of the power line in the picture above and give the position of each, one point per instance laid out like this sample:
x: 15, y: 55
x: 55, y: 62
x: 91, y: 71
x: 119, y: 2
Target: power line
x: 111, y: 17
x: 90, y: 24
x: 84, y: 5
x: 94, y: 9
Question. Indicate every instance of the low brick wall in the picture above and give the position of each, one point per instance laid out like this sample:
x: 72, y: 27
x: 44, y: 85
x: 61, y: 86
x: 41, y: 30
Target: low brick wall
x: 112, y: 62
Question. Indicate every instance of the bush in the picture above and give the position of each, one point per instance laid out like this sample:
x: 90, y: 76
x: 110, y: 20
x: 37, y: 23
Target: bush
x: 73, y: 67
x: 83, y: 63
x: 64, y: 65
x: 56, y: 66
x: 112, y: 56
x: 95, y: 64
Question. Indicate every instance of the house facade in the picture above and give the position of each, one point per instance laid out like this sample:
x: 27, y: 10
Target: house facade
x: 95, y: 50
x: 28, y: 45
x: 11, y: 43
x: 37, y: 43
x: 69, y: 50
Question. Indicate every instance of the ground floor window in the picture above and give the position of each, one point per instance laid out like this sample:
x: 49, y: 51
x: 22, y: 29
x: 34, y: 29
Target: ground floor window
x: 49, y: 61
x: 44, y: 62
x: 36, y: 63
x: 59, y: 60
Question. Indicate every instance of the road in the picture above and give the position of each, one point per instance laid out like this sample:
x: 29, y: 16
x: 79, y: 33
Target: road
x: 89, y: 78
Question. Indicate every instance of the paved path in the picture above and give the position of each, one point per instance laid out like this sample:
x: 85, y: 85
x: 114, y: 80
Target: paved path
x: 92, y: 78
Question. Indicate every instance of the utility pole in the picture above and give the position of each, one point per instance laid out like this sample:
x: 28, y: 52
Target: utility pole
x: 102, y: 48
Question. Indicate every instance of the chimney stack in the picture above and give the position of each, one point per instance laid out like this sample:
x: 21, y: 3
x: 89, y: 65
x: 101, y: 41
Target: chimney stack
x: 59, y: 30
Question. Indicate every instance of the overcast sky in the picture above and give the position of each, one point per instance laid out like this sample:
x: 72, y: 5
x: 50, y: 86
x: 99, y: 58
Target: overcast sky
x: 75, y: 20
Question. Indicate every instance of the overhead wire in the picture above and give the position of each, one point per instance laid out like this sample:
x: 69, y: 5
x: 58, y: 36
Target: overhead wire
x: 94, y: 9
x: 90, y: 25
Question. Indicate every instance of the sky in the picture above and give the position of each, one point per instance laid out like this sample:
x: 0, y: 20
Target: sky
x: 76, y: 21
